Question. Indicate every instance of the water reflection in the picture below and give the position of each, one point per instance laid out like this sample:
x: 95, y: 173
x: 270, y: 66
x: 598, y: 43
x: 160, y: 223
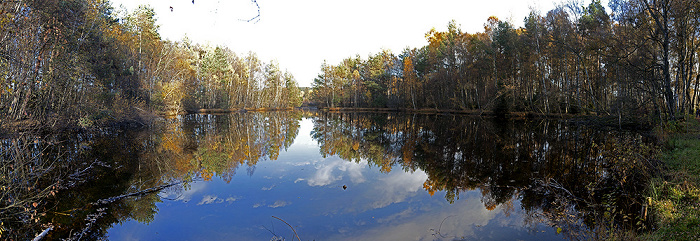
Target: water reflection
x: 353, y: 176
x: 201, y: 146
x: 579, y: 179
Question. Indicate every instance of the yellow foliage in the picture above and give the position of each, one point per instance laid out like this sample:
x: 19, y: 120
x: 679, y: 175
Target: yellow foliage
x: 386, y: 168
x: 429, y: 185
x: 207, y: 174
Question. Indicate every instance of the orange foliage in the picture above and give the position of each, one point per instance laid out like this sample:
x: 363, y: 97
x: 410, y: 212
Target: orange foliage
x: 206, y: 174
x: 430, y: 186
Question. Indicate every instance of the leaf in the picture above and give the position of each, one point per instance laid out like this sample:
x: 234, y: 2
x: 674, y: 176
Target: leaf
x: 559, y: 230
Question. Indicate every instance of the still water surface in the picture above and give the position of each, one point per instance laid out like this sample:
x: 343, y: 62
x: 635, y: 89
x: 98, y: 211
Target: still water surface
x: 355, y: 176
x: 305, y: 189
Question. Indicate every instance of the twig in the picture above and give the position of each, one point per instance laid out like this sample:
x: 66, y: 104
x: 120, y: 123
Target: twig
x: 440, y: 228
x: 290, y: 226
x: 274, y: 235
x: 550, y: 182
x: 91, y: 218
x: 79, y: 173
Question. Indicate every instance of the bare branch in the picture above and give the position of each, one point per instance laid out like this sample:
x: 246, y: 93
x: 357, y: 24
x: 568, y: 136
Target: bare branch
x: 285, y: 222
x: 257, y: 17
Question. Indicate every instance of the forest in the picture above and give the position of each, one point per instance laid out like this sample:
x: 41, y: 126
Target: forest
x: 82, y: 62
x: 637, y: 59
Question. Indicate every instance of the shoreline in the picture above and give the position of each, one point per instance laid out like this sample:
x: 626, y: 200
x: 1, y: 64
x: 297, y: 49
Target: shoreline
x: 144, y: 118
x: 674, y: 194
x: 449, y: 111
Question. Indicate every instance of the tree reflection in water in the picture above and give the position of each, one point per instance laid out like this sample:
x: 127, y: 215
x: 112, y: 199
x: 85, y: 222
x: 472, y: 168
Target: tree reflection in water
x: 196, y: 147
x: 202, y: 146
x: 585, y: 181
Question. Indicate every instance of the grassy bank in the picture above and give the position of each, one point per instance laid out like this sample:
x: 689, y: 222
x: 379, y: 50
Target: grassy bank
x: 675, y: 195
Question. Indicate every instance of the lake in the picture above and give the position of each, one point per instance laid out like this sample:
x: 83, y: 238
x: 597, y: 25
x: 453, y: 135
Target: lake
x: 353, y: 176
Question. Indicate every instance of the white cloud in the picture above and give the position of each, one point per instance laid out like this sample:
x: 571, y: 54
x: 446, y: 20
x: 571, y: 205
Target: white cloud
x: 300, y: 164
x: 209, y: 199
x: 461, y: 221
x: 185, y: 195
x: 279, y: 204
x: 398, y: 216
x: 333, y: 169
x: 324, y: 176
x: 231, y: 199
x: 397, y: 187
x: 354, y: 170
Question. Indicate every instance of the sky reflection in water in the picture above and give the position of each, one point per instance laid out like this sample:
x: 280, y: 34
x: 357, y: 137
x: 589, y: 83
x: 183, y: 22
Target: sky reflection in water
x: 305, y: 189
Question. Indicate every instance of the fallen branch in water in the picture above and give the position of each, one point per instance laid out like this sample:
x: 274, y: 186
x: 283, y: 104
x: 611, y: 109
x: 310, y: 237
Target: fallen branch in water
x: 91, y: 218
x: 290, y: 226
x: 139, y: 193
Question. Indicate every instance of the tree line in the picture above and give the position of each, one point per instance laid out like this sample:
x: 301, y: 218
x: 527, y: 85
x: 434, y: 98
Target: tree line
x: 639, y: 58
x: 82, y: 60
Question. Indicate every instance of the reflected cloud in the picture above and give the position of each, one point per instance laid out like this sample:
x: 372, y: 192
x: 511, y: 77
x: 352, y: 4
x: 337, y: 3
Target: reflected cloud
x: 279, y: 204
x: 323, y: 176
x: 396, y: 188
x: 397, y: 216
x: 209, y: 199
x: 299, y: 164
x: 268, y: 188
x: 354, y: 170
x: 463, y: 221
x: 324, y: 172
x: 231, y: 199
x: 184, y: 195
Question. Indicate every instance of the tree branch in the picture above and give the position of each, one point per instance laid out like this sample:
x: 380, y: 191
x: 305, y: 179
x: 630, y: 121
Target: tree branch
x: 257, y: 17
x: 290, y: 226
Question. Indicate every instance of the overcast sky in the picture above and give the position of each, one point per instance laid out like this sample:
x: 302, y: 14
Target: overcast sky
x: 300, y: 35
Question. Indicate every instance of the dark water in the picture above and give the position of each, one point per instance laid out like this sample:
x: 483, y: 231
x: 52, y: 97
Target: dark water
x: 354, y: 176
